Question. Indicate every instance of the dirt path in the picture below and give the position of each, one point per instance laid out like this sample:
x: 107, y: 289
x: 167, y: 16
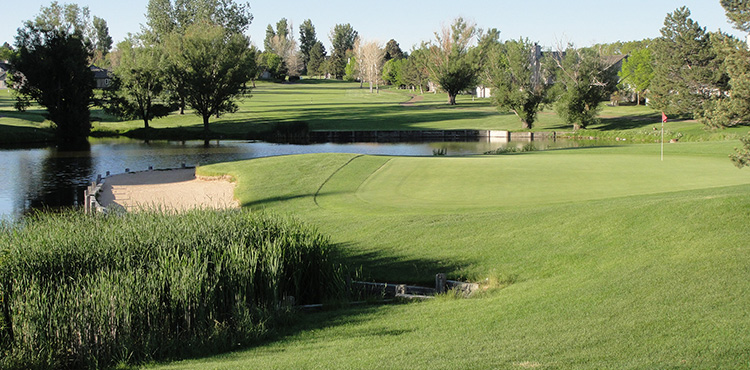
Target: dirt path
x: 414, y: 99
x: 174, y: 190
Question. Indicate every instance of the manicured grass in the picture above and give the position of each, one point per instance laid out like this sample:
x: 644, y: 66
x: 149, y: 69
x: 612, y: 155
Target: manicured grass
x: 614, y: 258
x: 337, y: 105
x: 22, y: 127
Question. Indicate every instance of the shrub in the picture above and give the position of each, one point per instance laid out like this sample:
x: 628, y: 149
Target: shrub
x: 90, y: 291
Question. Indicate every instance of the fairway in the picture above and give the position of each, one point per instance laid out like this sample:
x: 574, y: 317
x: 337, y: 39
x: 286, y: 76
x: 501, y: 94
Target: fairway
x: 487, y: 183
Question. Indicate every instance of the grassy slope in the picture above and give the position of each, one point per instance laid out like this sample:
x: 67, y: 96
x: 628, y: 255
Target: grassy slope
x: 643, y: 266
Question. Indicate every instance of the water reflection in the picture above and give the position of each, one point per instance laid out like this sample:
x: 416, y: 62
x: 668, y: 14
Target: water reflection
x: 63, y: 174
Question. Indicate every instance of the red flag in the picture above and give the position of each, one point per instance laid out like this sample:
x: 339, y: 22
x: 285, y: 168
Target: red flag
x: 663, y: 117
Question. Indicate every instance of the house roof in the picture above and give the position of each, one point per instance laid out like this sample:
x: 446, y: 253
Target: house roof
x: 99, y: 73
x: 611, y: 60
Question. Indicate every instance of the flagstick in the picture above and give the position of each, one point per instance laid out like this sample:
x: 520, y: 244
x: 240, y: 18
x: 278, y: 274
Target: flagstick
x: 662, y: 140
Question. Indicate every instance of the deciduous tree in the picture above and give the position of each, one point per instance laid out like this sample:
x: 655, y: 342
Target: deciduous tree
x: 170, y: 19
x: 67, y: 18
x: 271, y: 63
x: 138, y: 83
x: 282, y: 43
x: 638, y: 71
x: 370, y: 60
x: 520, y: 83
x: 52, y: 67
x: 166, y: 16
x: 74, y: 19
x: 217, y: 65
x: 584, y: 79
x: 393, y: 72
x: 449, y: 62
x: 351, y: 71
x: 6, y: 51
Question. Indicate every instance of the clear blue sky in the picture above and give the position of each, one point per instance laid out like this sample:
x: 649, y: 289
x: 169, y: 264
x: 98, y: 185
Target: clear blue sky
x: 583, y: 22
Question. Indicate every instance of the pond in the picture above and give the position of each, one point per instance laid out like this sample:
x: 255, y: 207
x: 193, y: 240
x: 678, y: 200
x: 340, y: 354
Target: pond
x: 48, y: 178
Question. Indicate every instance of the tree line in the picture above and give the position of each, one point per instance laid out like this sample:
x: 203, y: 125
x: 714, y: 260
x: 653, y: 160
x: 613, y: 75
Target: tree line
x: 193, y: 53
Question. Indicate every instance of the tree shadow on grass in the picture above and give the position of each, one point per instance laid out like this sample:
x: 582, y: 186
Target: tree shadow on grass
x: 628, y: 122
x: 379, y: 117
x: 31, y: 115
x: 382, y: 267
x: 24, y: 135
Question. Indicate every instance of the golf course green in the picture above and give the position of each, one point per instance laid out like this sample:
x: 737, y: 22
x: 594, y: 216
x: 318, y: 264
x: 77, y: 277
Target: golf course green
x: 596, y: 258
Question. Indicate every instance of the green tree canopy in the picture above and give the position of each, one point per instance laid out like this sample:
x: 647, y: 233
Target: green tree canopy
x: 102, y: 40
x: 272, y: 63
x: 282, y: 43
x: 166, y: 16
x: 584, y: 78
x: 687, y: 72
x: 317, y: 59
x: 393, y: 71
x: 216, y: 67
x: 342, y: 38
x: 307, y: 40
x: 393, y: 50
x: 449, y: 62
x: 351, y: 71
x: 733, y: 108
x: 138, y: 83
x: 738, y: 12
x: 414, y: 72
x: 519, y: 82
x: 638, y: 71
x: 6, y: 51
x: 67, y: 18
x: 54, y: 67
x: 74, y: 19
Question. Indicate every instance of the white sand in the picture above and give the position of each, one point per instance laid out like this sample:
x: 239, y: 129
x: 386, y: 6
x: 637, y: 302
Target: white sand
x: 173, y: 190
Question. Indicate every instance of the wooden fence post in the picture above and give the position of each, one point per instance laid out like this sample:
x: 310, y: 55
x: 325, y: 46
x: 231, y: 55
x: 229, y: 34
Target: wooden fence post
x: 440, y: 282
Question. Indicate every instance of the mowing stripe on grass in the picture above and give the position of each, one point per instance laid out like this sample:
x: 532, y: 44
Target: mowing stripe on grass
x: 317, y: 192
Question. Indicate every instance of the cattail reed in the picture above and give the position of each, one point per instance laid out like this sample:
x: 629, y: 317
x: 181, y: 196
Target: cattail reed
x: 91, y: 291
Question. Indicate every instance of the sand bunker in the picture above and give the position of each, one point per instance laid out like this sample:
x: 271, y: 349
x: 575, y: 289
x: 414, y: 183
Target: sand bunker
x: 167, y: 190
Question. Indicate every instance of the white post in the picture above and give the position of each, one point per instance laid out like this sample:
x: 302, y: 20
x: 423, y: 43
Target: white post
x: 662, y: 140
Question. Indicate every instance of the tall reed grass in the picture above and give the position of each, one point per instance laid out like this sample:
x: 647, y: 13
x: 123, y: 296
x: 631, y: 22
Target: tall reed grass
x: 80, y: 291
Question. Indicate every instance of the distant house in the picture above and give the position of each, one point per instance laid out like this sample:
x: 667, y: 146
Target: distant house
x: 615, y: 61
x: 483, y: 92
x: 4, y: 68
x: 101, y: 77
